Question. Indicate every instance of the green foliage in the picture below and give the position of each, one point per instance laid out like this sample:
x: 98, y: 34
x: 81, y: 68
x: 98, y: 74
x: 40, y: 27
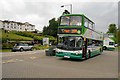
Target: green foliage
x: 37, y: 37
x: 51, y: 38
x: 116, y: 32
x: 5, y: 50
x: 7, y: 45
x: 45, y: 30
x: 13, y: 37
x: 21, y: 36
x: 51, y: 29
x: 40, y: 47
x: 112, y: 29
x: 118, y: 36
x: 26, y: 34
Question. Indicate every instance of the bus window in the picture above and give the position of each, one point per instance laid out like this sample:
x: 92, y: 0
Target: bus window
x: 93, y: 27
x: 76, y: 20
x: 90, y: 25
x: 79, y: 42
x: 97, y: 44
x: 86, y: 22
x: 65, y: 20
x: 89, y: 42
x: 72, y: 42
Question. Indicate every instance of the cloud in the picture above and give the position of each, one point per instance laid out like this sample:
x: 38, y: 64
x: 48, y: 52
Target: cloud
x: 119, y: 15
x: 40, y: 12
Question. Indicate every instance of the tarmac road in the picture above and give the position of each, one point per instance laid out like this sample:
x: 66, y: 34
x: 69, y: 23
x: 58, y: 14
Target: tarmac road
x: 34, y: 64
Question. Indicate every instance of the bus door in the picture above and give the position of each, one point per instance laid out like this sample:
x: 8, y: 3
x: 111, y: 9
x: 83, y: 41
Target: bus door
x: 84, y: 49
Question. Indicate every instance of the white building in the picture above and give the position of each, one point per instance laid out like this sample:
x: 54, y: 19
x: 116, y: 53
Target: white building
x: 17, y: 26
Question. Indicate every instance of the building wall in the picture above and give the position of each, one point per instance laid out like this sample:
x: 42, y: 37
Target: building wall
x: 17, y: 26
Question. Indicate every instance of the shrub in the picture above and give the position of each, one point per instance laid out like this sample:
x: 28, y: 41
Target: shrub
x: 7, y: 45
x: 40, y: 47
x: 26, y: 34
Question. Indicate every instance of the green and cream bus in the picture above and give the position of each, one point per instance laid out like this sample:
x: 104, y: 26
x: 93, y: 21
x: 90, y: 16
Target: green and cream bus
x: 77, y: 37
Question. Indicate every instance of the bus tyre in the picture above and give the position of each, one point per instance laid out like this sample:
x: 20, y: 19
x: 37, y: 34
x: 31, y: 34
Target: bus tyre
x: 89, y: 55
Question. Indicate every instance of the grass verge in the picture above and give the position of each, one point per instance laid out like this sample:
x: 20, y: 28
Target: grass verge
x: 5, y: 50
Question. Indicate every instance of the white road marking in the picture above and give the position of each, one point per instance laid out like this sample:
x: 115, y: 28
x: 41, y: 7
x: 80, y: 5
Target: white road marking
x: 20, y: 60
x: 3, y: 62
x: 10, y: 61
x: 32, y: 57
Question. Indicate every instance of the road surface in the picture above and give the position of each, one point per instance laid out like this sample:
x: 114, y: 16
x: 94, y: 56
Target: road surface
x: 34, y: 64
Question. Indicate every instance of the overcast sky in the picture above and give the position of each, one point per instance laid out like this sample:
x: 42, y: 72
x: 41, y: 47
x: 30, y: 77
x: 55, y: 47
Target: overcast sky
x: 39, y: 13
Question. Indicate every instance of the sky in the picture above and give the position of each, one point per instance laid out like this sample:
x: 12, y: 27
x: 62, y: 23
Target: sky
x: 39, y: 12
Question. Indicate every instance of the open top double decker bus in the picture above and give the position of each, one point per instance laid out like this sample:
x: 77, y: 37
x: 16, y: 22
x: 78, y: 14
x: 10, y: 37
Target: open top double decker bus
x: 77, y: 38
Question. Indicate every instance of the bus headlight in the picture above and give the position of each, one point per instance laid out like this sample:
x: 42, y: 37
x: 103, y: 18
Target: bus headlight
x: 77, y: 53
x: 57, y: 50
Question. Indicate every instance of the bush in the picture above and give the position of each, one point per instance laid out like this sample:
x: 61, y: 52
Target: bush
x: 7, y: 45
x: 26, y: 34
x: 38, y: 38
x: 40, y: 47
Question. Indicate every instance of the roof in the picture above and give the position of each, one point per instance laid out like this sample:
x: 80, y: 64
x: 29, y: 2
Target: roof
x: 17, y: 22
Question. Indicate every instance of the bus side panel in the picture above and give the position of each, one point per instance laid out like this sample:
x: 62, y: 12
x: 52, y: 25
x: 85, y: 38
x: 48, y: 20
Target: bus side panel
x: 69, y: 55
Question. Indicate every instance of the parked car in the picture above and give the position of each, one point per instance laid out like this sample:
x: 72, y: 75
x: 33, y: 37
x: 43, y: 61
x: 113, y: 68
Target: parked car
x: 51, y: 51
x: 22, y: 47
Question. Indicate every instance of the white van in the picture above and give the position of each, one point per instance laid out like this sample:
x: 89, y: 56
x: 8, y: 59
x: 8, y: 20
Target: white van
x: 108, y: 44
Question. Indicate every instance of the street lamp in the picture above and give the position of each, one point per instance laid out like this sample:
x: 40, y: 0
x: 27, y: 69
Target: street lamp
x: 70, y: 7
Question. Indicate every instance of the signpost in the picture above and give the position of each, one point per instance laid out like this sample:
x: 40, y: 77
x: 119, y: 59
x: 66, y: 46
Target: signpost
x: 45, y: 41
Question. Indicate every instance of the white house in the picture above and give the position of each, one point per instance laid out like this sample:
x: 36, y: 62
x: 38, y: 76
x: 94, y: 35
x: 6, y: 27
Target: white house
x: 17, y: 26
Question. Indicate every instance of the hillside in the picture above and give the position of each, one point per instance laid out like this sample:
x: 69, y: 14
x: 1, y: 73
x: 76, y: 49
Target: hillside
x: 22, y: 36
x: 13, y: 37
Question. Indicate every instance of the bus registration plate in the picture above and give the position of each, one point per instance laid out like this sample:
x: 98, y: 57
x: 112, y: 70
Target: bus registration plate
x: 66, y: 56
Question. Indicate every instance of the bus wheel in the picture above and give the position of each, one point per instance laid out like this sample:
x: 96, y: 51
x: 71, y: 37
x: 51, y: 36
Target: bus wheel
x: 89, y: 55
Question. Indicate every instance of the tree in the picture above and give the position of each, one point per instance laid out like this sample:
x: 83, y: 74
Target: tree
x: 52, y: 28
x: 112, y: 29
x: 116, y: 32
x: 45, y: 30
x: 117, y: 36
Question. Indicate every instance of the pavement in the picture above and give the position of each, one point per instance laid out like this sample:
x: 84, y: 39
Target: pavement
x: 35, y: 64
